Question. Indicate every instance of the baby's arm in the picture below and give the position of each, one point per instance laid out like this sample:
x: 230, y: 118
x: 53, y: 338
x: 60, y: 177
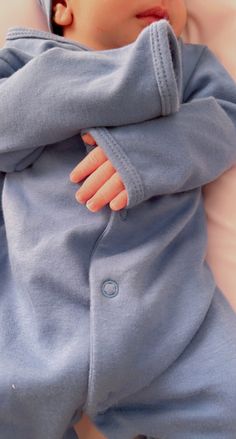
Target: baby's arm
x: 185, y: 150
x: 55, y: 95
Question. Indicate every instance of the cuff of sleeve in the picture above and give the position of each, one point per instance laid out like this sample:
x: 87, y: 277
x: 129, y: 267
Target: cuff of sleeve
x: 128, y: 173
x: 166, y: 56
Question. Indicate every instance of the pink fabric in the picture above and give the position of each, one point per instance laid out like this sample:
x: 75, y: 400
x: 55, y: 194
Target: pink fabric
x: 20, y: 13
x: 211, y: 22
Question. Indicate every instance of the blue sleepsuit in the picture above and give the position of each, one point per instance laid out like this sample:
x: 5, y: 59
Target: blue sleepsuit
x: 114, y: 314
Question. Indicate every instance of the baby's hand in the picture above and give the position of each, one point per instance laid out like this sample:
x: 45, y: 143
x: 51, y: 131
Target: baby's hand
x: 103, y: 184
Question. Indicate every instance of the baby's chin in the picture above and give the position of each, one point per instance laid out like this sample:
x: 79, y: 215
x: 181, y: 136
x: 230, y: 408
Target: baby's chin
x: 178, y: 30
x: 125, y: 38
x: 179, y: 26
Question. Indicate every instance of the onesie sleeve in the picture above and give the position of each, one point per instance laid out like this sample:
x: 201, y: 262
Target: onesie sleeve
x: 185, y: 150
x: 61, y: 92
x: 10, y: 62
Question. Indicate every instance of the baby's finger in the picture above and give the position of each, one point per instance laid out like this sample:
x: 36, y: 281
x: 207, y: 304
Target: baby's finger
x: 120, y: 201
x: 95, y: 181
x: 87, y: 138
x: 88, y: 165
x: 106, y: 193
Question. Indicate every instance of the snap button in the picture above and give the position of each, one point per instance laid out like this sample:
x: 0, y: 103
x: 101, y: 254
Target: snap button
x: 110, y: 288
x: 124, y: 214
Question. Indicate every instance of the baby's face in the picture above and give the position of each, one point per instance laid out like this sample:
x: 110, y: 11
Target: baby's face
x: 107, y: 24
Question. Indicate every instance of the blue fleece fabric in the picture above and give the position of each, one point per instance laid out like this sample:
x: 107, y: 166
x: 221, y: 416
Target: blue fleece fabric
x: 114, y: 314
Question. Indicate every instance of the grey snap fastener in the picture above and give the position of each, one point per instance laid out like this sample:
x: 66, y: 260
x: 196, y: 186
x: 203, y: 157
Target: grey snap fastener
x: 110, y: 288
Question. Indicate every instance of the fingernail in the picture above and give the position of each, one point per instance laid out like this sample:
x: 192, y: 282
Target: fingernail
x: 79, y: 198
x: 91, y: 206
x: 72, y: 177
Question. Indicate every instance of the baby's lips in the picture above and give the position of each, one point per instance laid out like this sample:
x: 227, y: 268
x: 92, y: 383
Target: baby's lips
x: 158, y: 13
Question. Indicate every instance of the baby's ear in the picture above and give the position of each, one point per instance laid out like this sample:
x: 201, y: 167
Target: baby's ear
x: 62, y: 13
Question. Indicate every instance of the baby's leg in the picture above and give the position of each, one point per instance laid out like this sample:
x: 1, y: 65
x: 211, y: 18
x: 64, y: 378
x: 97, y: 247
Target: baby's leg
x: 195, y: 397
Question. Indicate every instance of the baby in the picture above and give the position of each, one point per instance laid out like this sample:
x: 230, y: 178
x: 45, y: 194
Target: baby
x: 114, y: 314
